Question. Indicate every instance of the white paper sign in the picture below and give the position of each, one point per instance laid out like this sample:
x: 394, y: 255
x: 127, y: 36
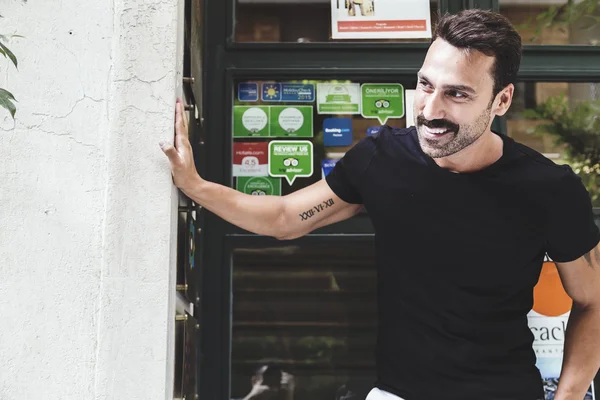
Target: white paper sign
x: 380, y: 19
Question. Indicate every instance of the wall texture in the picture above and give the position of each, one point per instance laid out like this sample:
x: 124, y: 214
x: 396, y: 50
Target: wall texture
x: 87, y: 223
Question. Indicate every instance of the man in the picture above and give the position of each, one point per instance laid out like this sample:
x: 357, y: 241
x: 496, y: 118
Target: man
x: 463, y: 220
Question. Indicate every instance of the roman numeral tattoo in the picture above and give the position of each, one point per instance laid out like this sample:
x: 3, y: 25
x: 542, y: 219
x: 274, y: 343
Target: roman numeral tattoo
x: 596, y: 257
x: 316, y: 209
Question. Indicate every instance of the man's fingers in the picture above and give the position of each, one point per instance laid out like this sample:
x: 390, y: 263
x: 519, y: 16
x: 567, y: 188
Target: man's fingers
x: 181, y: 129
x: 171, y: 153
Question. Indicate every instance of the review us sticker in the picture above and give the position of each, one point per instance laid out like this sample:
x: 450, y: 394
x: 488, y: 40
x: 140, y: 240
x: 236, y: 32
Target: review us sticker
x: 290, y: 159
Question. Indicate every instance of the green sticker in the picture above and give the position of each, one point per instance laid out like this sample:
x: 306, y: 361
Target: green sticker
x: 259, y: 185
x: 250, y: 121
x: 338, y: 98
x: 291, y: 121
x: 290, y: 159
x: 382, y: 101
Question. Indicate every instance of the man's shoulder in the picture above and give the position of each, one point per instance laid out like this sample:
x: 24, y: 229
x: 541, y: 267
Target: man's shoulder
x: 386, y: 131
x: 395, y: 140
x: 533, y: 166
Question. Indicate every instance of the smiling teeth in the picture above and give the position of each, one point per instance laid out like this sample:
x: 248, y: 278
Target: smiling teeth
x: 437, y: 130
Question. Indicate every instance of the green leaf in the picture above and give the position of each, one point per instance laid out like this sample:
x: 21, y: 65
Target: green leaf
x: 6, y: 101
x: 9, y: 54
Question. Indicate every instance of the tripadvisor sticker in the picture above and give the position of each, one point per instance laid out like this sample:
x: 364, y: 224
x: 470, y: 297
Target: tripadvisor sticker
x: 259, y: 185
x: 290, y: 159
x: 382, y: 101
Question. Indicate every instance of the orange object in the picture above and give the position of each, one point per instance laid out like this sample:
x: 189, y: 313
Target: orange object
x: 549, y: 296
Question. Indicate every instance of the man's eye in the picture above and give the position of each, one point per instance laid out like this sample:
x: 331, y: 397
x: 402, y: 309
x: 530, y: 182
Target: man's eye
x: 457, y: 95
x: 424, y: 84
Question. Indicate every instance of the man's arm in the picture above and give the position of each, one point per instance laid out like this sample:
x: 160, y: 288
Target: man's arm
x: 581, y: 280
x: 284, y: 217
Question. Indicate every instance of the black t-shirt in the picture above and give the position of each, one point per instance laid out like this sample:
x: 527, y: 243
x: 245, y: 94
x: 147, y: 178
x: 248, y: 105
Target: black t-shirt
x: 458, y: 255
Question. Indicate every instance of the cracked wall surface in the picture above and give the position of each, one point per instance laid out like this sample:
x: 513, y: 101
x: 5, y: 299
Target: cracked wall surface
x: 88, y: 221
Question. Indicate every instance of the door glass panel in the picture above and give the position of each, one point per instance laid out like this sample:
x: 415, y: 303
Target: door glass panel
x: 556, y: 22
x: 560, y: 120
x: 331, y: 114
x: 299, y: 20
x: 309, y: 311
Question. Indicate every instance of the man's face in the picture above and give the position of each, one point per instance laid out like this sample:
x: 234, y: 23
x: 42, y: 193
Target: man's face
x: 453, y: 100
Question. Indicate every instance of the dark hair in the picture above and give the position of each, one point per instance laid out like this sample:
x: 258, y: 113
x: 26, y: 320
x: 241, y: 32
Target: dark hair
x: 489, y: 33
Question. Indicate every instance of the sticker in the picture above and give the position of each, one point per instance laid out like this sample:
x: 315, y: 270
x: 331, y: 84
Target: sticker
x: 410, y: 103
x: 382, y: 101
x: 292, y: 121
x: 380, y: 19
x: 250, y: 159
x: 250, y: 121
x: 337, y: 132
x: 338, y: 98
x: 248, y: 91
x: 327, y: 166
x: 373, y: 130
x: 259, y: 185
x: 288, y: 92
x: 290, y: 159
x: 271, y: 92
x: 298, y: 92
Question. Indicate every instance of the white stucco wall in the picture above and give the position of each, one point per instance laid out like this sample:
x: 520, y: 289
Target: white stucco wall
x: 87, y: 209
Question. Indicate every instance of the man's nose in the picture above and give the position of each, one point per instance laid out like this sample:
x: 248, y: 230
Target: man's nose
x: 434, y: 107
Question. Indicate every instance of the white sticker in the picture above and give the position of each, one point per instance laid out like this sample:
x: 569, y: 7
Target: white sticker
x: 291, y: 119
x: 254, y: 119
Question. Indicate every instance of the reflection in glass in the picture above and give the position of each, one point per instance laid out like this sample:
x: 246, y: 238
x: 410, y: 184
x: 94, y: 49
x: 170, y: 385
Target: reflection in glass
x: 556, y: 22
x: 308, y: 315
x: 560, y: 120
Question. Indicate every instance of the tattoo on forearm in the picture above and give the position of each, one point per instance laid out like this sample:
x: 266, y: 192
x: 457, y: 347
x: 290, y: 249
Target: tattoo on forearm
x: 596, y: 258
x: 316, y: 209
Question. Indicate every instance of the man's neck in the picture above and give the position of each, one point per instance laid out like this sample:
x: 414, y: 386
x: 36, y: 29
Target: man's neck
x: 483, y: 152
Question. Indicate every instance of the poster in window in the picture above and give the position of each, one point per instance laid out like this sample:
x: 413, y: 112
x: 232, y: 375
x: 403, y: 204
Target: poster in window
x: 548, y: 323
x: 380, y: 19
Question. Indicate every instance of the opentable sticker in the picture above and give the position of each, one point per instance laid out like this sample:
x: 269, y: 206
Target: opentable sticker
x: 382, y: 101
x: 290, y: 159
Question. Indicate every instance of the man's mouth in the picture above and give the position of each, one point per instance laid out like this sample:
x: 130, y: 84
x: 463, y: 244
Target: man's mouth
x: 436, y: 132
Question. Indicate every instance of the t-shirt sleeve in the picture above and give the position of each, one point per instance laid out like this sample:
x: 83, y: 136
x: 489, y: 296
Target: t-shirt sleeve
x: 571, y: 231
x: 347, y: 176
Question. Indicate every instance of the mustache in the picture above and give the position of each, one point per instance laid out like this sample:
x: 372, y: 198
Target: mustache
x: 437, y: 123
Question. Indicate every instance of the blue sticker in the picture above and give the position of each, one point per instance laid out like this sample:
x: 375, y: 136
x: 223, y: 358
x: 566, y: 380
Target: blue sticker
x: 372, y: 130
x: 327, y: 167
x: 271, y: 92
x: 248, y: 91
x: 288, y: 92
x: 337, y: 132
x: 297, y: 92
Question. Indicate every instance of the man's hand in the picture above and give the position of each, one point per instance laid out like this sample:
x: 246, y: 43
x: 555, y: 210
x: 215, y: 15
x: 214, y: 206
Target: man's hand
x: 257, y: 389
x: 181, y: 157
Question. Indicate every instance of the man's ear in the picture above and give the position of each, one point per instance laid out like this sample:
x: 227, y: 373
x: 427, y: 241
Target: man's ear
x: 503, y: 100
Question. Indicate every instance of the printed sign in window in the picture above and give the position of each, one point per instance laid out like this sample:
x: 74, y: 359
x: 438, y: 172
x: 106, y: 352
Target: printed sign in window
x: 380, y: 19
x: 250, y: 159
x: 337, y: 132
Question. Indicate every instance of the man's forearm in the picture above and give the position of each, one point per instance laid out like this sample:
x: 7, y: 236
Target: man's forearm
x: 257, y: 214
x: 581, y: 353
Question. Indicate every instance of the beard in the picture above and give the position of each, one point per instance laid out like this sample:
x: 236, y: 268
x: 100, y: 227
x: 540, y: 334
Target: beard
x: 457, y: 138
